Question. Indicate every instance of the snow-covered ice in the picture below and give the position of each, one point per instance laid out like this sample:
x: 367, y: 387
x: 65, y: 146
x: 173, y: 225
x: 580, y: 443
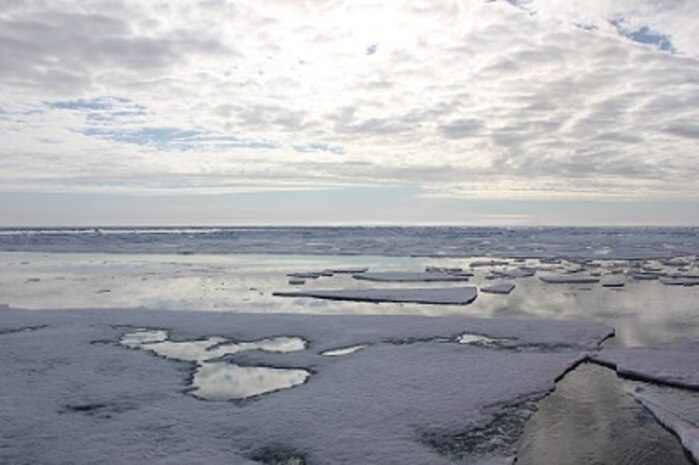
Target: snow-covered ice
x: 679, y: 281
x: 502, y: 288
x: 72, y: 392
x: 680, y: 419
x: 569, y: 279
x: 675, y: 363
x: 523, y: 272
x: 343, y: 351
x: 407, y: 276
x: 613, y: 281
x: 444, y: 296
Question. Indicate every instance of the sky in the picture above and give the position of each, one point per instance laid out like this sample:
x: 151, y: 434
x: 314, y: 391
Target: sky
x: 473, y: 112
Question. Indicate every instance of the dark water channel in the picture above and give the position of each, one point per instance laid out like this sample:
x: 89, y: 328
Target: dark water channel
x: 590, y: 420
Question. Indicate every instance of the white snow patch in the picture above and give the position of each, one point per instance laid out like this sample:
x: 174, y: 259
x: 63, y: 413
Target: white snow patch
x: 343, y: 351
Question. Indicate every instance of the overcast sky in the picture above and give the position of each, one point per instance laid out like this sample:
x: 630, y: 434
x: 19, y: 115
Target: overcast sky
x: 293, y: 111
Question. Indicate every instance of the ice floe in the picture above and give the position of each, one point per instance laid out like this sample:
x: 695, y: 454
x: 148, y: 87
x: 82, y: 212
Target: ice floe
x: 674, y: 419
x: 502, y: 288
x: 406, y: 276
x: 569, y: 279
x: 523, y: 272
x: 613, y: 281
x: 445, y: 296
x: 674, y: 363
x: 413, y: 404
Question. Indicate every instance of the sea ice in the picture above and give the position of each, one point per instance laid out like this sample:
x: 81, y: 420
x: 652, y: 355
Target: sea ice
x: 687, y: 430
x: 679, y: 281
x: 445, y: 296
x: 376, y: 406
x: 403, y: 276
x: 343, y: 351
x: 569, y: 279
x: 674, y: 363
x: 613, y: 281
x: 523, y: 272
x: 502, y: 288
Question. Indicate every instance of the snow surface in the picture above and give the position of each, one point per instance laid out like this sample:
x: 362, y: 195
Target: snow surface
x: 675, y: 363
x: 502, y: 288
x: 72, y: 393
x: 443, y: 296
x: 407, y: 276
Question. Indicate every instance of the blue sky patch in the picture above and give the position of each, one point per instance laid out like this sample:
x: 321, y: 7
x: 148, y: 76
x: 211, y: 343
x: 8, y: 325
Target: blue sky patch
x: 319, y: 147
x: 644, y: 35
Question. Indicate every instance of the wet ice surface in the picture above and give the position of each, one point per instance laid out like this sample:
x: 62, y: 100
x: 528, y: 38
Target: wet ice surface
x: 228, y: 381
x: 367, y: 407
x: 221, y: 380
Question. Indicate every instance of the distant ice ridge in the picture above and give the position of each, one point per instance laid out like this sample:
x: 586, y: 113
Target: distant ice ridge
x: 533, y: 242
x: 72, y: 393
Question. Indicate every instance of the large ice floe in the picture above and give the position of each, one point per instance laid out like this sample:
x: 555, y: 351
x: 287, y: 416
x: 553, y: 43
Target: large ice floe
x: 131, y: 386
x: 407, y: 276
x: 430, y: 295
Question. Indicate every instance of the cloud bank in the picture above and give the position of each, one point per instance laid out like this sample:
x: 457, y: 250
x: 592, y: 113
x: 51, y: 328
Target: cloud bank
x: 511, y: 99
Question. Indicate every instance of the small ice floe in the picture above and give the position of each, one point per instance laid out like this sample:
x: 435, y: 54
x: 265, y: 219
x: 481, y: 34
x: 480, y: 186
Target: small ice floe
x: 481, y: 263
x: 569, y: 279
x: 343, y: 351
x: 227, y: 381
x: 347, y: 270
x: 404, y: 276
x: 522, y: 272
x: 680, y: 280
x: 613, y: 281
x: 448, y: 270
x: 674, y: 363
x: 305, y: 275
x: 646, y: 275
x: 445, y: 296
x: 502, y: 288
x: 297, y: 281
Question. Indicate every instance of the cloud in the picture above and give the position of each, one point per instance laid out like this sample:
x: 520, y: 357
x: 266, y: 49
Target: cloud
x: 520, y: 99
